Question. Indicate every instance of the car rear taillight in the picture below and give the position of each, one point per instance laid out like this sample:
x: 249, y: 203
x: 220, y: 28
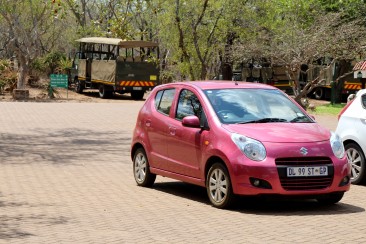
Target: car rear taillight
x: 345, y: 108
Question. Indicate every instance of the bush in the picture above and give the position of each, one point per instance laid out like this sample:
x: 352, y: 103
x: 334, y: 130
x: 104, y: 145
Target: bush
x: 8, y: 77
x: 51, y: 63
x: 52, y: 60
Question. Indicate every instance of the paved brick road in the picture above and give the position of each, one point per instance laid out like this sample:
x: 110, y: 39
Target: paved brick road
x: 66, y: 177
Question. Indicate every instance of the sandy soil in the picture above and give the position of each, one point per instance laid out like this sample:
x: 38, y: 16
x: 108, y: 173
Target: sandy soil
x: 63, y: 95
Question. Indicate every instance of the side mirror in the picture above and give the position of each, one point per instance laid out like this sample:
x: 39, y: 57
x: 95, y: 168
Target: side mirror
x: 191, y: 121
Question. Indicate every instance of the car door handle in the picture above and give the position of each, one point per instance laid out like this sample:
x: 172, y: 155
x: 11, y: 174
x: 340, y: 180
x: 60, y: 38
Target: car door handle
x: 148, y: 123
x: 172, y: 131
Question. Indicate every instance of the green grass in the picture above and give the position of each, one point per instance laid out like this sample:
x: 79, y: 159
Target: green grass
x: 331, y: 109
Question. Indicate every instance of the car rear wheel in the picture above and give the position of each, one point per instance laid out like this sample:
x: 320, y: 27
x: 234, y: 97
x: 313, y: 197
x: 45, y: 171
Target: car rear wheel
x: 141, y: 169
x: 331, y: 198
x: 356, y: 157
x: 218, y: 186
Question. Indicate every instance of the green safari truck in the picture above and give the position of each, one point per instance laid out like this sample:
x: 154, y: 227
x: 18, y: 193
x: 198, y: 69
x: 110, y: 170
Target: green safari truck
x: 113, y: 65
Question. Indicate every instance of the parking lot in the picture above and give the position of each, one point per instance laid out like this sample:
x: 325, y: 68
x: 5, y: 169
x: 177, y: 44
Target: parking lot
x: 66, y: 177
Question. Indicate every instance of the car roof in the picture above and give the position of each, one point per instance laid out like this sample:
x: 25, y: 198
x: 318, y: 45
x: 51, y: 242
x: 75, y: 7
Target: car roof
x: 361, y: 92
x: 214, y: 84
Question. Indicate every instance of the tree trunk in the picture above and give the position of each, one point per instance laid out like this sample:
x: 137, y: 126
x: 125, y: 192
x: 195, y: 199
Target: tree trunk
x: 344, y: 66
x: 185, y: 56
x: 23, y: 71
x: 227, y: 72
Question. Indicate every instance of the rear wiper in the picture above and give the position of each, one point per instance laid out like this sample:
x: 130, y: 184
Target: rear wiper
x: 264, y: 120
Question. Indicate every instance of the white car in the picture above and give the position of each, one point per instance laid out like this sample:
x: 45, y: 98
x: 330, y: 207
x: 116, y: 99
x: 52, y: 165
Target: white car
x: 352, y: 129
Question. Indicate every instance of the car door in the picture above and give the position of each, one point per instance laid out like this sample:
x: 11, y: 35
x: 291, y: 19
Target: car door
x: 156, y: 126
x: 184, y: 143
x: 360, y: 122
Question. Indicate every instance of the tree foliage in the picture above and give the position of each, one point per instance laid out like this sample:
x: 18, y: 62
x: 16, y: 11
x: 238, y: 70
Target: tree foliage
x: 198, y: 39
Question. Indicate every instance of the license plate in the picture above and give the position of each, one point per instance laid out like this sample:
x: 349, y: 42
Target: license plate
x: 137, y: 88
x: 307, y: 171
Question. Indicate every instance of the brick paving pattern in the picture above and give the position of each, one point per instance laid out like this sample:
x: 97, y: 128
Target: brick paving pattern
x: 66, y: 177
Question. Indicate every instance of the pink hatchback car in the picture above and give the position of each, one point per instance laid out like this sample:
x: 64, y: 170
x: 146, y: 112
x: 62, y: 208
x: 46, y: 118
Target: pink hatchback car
x: 237, y: 139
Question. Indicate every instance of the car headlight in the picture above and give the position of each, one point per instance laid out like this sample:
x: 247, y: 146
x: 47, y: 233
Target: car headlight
x: 337, y: 145
x: 253, y: 149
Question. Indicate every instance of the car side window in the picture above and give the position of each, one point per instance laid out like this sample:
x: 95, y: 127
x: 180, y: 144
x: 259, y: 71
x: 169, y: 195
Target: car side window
x: 188, y: 104
x: 164, y: 100
x: 363, y: 101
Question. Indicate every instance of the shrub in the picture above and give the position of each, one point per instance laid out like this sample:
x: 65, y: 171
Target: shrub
x: 8, y: 76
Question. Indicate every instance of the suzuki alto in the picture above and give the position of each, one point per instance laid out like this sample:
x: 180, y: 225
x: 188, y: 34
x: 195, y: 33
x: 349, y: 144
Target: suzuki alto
x: 237, y: 138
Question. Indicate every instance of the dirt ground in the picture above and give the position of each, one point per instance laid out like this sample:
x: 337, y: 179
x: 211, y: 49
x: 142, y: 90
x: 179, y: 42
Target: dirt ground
x: 89, y: 96
x: 64, y: 95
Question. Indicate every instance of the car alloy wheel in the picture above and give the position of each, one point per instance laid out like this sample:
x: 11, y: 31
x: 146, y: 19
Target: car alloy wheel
x: 356, y: 157
x: 141, y: 169
x: 219, y: 186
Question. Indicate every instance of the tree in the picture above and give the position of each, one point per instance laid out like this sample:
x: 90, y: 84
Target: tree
x: 31, y: 29
x: 192, y: 32
x: 298, y: 32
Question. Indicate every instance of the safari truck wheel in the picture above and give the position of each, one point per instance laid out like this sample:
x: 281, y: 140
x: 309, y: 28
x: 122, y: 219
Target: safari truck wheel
x: 105, y: 91
x: 79, y: 86
x: 319, y: 93
x: 137, y: 95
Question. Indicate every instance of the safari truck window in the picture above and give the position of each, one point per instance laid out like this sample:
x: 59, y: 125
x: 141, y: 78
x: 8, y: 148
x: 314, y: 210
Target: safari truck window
x: 116, y: 66
x: 139, y: 54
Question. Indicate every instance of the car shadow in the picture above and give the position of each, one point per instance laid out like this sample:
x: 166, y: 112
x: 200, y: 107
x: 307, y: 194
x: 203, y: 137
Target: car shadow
x: 269, y: 205
x: 184, y: 190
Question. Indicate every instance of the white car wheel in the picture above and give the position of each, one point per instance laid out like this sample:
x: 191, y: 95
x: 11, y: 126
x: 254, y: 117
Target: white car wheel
x: 357, y: 159
x: 141, y: 169
x: 218, y: 186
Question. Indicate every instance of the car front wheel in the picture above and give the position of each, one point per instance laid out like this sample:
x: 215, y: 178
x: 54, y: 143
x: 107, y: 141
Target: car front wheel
x: 141, y: 169
x: 218, y: 186
x: 356, y: 157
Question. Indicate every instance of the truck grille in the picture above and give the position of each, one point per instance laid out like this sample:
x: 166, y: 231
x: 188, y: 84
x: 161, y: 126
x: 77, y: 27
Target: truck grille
x: 306, y: 182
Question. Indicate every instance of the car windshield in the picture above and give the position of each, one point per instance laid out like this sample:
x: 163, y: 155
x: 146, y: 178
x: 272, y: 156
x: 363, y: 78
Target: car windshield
x: 242, y: 106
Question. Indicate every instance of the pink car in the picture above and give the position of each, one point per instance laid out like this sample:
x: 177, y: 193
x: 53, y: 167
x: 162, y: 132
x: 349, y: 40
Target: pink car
x: 237, y: 139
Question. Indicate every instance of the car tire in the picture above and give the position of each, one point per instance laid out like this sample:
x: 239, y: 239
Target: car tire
x: 356, y: 158
x: 78, y: 86
x: 330, y: 199
x: 141, y: 169
x: 218, y: 186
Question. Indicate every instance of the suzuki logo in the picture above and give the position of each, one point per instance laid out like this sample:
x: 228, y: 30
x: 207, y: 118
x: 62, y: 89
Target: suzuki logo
x: 303, y: 151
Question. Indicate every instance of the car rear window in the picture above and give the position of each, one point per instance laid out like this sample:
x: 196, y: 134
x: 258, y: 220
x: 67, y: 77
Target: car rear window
x: 164, y: 100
